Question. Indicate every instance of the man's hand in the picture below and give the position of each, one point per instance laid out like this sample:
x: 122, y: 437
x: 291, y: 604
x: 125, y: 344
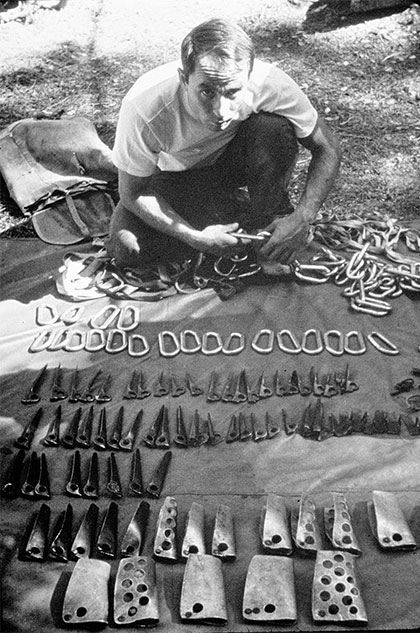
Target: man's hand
x: 216, y: 239
x: 289, y: 235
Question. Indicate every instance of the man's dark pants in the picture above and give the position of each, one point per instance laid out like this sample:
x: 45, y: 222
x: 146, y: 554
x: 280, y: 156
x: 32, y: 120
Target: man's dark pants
x: 261, y: 158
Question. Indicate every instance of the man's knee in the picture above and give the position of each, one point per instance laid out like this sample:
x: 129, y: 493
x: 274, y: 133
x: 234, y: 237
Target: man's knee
x: 273, y: 137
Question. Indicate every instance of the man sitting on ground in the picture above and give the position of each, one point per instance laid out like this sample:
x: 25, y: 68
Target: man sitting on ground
x: 209, y: 147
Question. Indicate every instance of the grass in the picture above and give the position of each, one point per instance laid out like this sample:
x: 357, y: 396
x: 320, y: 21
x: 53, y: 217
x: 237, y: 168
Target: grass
x: 361, y: 72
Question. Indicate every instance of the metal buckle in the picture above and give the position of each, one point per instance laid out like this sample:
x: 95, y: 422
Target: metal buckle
x: 86, y: 598
x: 41, y: 319
x: 338, y: 525
x: 59, y: 339
x: 318, y: 340
x: 41, y: 341
x: 183, y: 342
x: 122, y: 318
x: 388, y: 523
x: 275, y: 529
x: 376, y: 339
x: 296, y: 347
x: 72, y: 315
x: 269, y: 594
x: 161, y: 340
x: 90, y: 345
x: 361, y: 342
x: 260, y: 334
x: 165, y: 544
x: 335, y: 351
x: 70, y: 346
x: 223, y: 542
x: 110, y: 346
x: 226, y: 349
x: 205, y: 344
x: 203, y: 593
x: 106, y: 315
x: 132, y: 338
x: 193, y: 542
x: 135, y: 592
x: 336, y: 594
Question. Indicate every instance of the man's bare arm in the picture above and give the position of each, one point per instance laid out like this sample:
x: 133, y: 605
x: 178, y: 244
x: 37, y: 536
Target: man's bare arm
x: 137, y: 196
x: 290, y: 233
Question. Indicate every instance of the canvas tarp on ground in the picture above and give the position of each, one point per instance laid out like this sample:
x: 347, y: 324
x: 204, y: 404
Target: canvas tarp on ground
x: 240, y: 474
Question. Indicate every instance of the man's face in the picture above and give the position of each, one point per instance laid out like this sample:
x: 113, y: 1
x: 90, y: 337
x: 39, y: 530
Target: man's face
x: 215, y: 91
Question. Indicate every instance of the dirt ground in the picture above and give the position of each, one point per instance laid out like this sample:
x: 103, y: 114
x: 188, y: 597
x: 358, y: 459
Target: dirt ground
x: 361, y: 71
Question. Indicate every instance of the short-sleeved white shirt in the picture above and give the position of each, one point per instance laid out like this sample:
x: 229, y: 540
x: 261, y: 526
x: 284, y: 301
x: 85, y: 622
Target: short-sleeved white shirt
x: 157, y: 131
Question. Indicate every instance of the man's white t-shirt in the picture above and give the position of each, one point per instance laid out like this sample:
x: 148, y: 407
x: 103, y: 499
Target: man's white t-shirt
x: 156, y: 129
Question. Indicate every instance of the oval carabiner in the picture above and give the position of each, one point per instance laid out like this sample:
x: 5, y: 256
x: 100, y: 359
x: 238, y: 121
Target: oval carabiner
x: 161, y: 340
x: 41, y: 341
x: 183, y: 340
x: 205, y: 343
x: 236, y: 350
x: 361, y: 342
x: 72, y: 314
x: 335, y: 351
x: 59, y: 339
x: 318, y: 340
x: 110, y: 341
x: 376, y: 338
x: 75, y: 347
x: 41, y: 319
x: 296, y: 349
x: 133, y: 321
x: 260, y: 334
x: 90, y: 345
x: 105, y: 317
x: 132, y: 351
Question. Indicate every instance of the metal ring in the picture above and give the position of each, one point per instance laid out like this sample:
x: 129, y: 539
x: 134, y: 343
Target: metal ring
x: 336, y: 351
x: 112, y: 334
x: 236, y: 350
x: 376, y: 338
x: 135, y: 318
x: 90, y: 346
x: 102, y: 320
x: 183, y: 342
x: 131, y: 347
x: 295, y: 350
x: 360, y: 339
x: 69, y: 346
x: 46, y: 321
x: 204, y: 345
x: 318, y: 338
x: 72, y: 315
x: 161, y: 341
x: 41, y: 341
x: 58, y: 339
x: 258, y: 335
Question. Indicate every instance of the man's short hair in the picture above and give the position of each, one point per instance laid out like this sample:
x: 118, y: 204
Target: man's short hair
x: 223, y: 39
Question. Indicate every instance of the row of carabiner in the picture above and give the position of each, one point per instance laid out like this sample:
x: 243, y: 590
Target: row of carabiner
x: 93, y: 340
x: 314, y: 342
